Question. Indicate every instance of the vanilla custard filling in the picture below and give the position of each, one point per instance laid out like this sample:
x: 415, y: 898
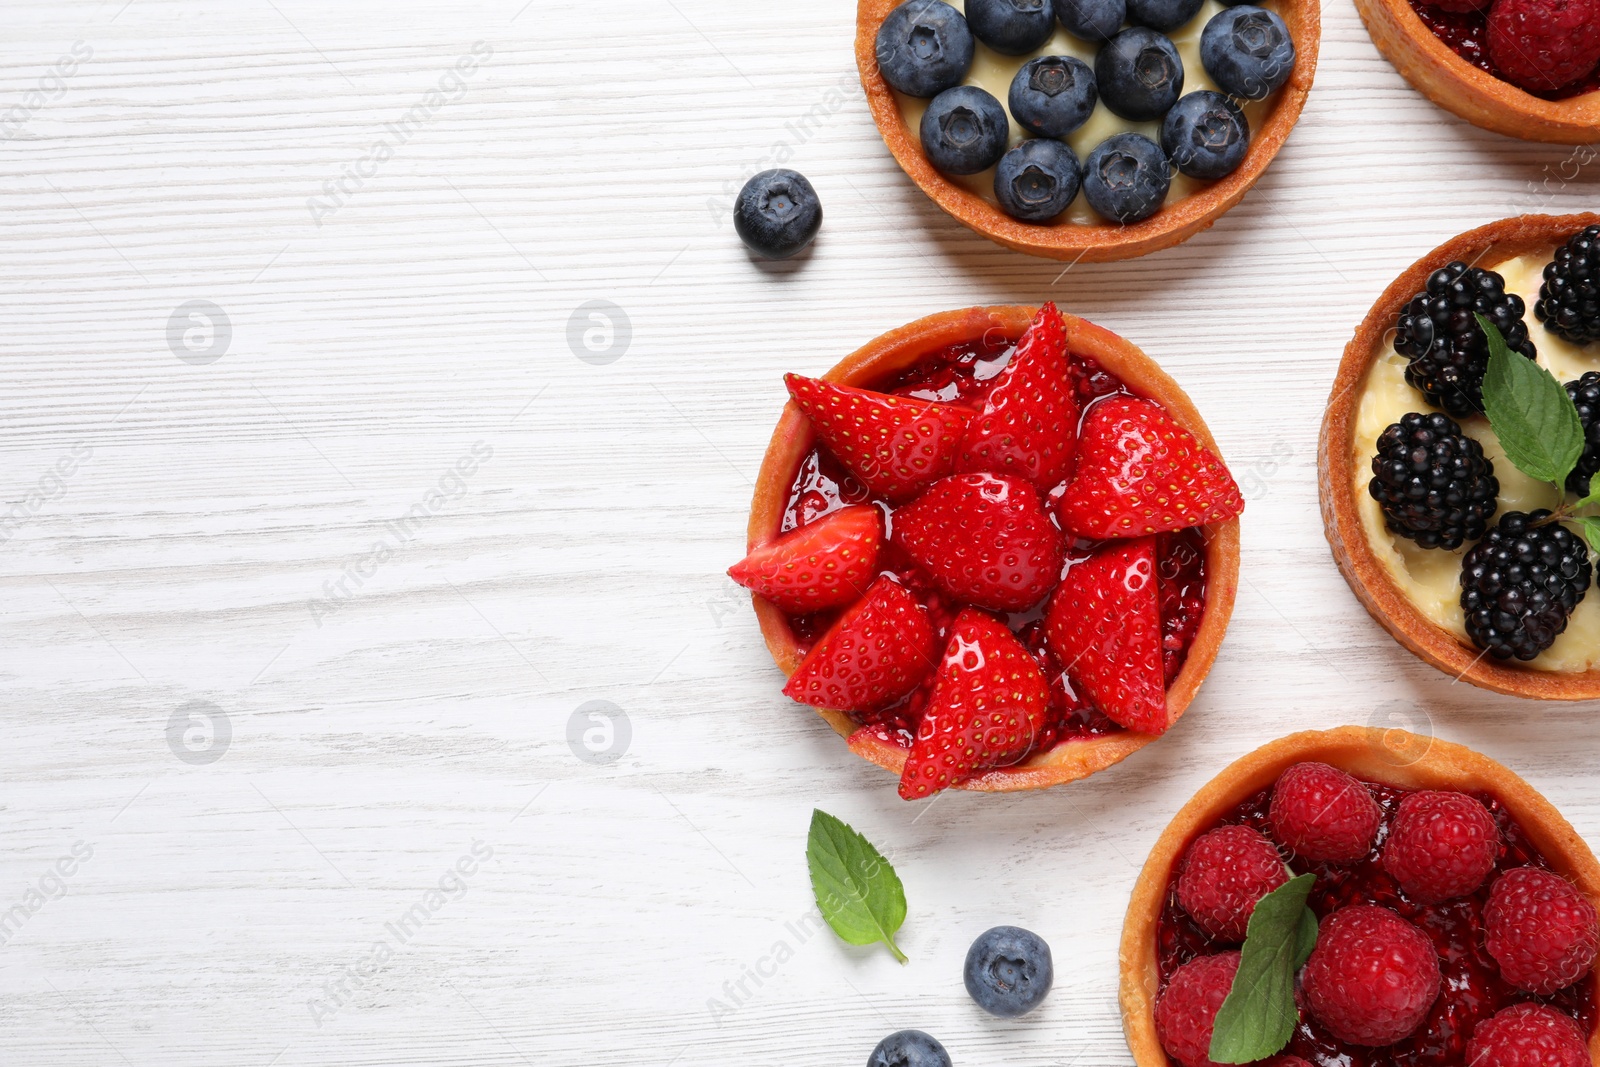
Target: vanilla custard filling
x: 994, y: 72
x: 1431, y: 577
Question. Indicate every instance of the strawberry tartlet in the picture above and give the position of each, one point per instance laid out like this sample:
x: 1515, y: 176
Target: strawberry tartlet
x: 995, y: 549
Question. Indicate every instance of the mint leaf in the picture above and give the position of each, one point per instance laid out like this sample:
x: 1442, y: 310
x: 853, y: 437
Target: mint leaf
x: 1531, y: 413
x: 857, y: 891
x: 1592, y: 499
x: 1590, y: 527
x: 1259, y: 1016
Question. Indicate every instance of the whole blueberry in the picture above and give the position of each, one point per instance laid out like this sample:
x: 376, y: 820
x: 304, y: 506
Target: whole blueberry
x: 1036, y: 180
x: 1053, y: 95
x: 1126, y: 178
x: 1092, y: 20
x: 1011, y: 27
x: 777, y: 213
x: 1206, y: 135
x: 909, y: 1048
x: 1247, y: 51
x: 1140, y: 74
x: 1163, y: 15
x: 964, y: 130
x: 1008, y: 970
x: 924, y: 47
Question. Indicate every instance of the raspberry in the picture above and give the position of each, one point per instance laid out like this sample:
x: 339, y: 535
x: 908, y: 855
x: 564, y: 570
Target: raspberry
x: 1323, y: 814
x: 1187, y: 1008
x: 1441, y: 845
x: 1372, y: 977
x: 1543, y: 45
x: 1224, y: 874
x: 1541, y: 930
x: 1528, y: 1035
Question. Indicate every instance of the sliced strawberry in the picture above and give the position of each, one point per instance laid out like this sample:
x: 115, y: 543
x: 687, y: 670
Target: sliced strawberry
x: 823, y: 564
x: 896, y: 445
x: 989, y: 703
x: 1104, y: 625
x: 985, y: 539
x: 1029, y: 426
x: 875, y: 654
x: 1141, y: 473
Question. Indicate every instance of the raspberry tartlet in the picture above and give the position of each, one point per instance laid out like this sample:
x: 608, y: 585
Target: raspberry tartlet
x: 994, y: 549
x: 1105, y: 130
x: 1528, y: 69
x: 1499, y: 972
x: 1427, y: 516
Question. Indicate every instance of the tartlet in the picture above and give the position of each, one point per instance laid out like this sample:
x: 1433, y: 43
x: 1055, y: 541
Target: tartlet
x: 1392, y: 757
x: 1107, y: 241
x: 1378, y: 592
x: 899, y: 350
x: 1436, y: 71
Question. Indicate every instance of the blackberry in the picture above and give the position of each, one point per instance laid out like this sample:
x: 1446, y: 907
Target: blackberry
x: 1520, y: 584
x: 1569, y: 300
x: 1433, y: 482
x: 1448, y: 352
x: 1585, y: 394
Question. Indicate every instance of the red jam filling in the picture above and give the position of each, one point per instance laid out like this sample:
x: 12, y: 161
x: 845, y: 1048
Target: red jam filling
x: 963, y: 374
x: 1472, y: 989
x: 1467, y: 35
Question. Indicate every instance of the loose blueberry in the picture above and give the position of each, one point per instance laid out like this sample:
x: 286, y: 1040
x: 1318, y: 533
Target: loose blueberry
x: 1206, y: 135
x: 909, y: 1048
x: 1092, y: 20
x: 1011, y: 27
x: 924, y: 48
x: 1008, y: 970
x: 1037, y: 180
x: 1126, y: 178
x: 1247, y: 51
x: 1140, y: 74
x: 964, y: 130
x: 1053, y: 95
x: 777, y: 213
x: 1163, y: 15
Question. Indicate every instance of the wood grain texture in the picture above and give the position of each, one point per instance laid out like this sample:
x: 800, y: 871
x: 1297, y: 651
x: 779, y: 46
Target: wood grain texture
x: 590, y: 157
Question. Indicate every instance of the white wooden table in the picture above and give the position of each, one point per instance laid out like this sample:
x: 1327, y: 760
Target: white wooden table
x: 303, y: 595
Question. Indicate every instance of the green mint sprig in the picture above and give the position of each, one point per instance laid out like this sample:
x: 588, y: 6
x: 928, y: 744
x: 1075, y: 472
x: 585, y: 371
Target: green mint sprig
x: 1538, y: 426
x: 1259, y: 1015
x: 857, y: 891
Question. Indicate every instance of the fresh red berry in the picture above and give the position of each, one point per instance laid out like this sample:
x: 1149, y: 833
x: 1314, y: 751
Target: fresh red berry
x: 1440, y: 846
x: 985, y: 539
x: 824, y: 564
x: 896, y: 445
x: 1186, y: 1011
x: 1528, y: 1035
x: 876, y: 653
x: 1139, y: 473
x: 1372, y: 977
x: 1541, y: 930
x: 988, y: 705
x: 1324, y: 815
x: 1029, y: 424
x: 1285, y: 1060
x: 1225, y: 874
x: 1104, y: 627
x: 1543, y: 45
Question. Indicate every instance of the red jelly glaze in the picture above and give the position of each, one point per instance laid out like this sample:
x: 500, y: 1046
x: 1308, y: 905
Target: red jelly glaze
x: 1467, y: 35
x: 964, y: 374
x: 1472, y: 988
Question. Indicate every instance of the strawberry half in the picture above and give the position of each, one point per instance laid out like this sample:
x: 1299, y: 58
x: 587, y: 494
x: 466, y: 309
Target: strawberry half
x: 1029, y: 426
x: 876, y: 653
x: 985, y: 539
x: 1141, y: 473
x: 1104, y: 626
x: 896, y: 445
x: 824, y: 564
x: 988, y: 705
